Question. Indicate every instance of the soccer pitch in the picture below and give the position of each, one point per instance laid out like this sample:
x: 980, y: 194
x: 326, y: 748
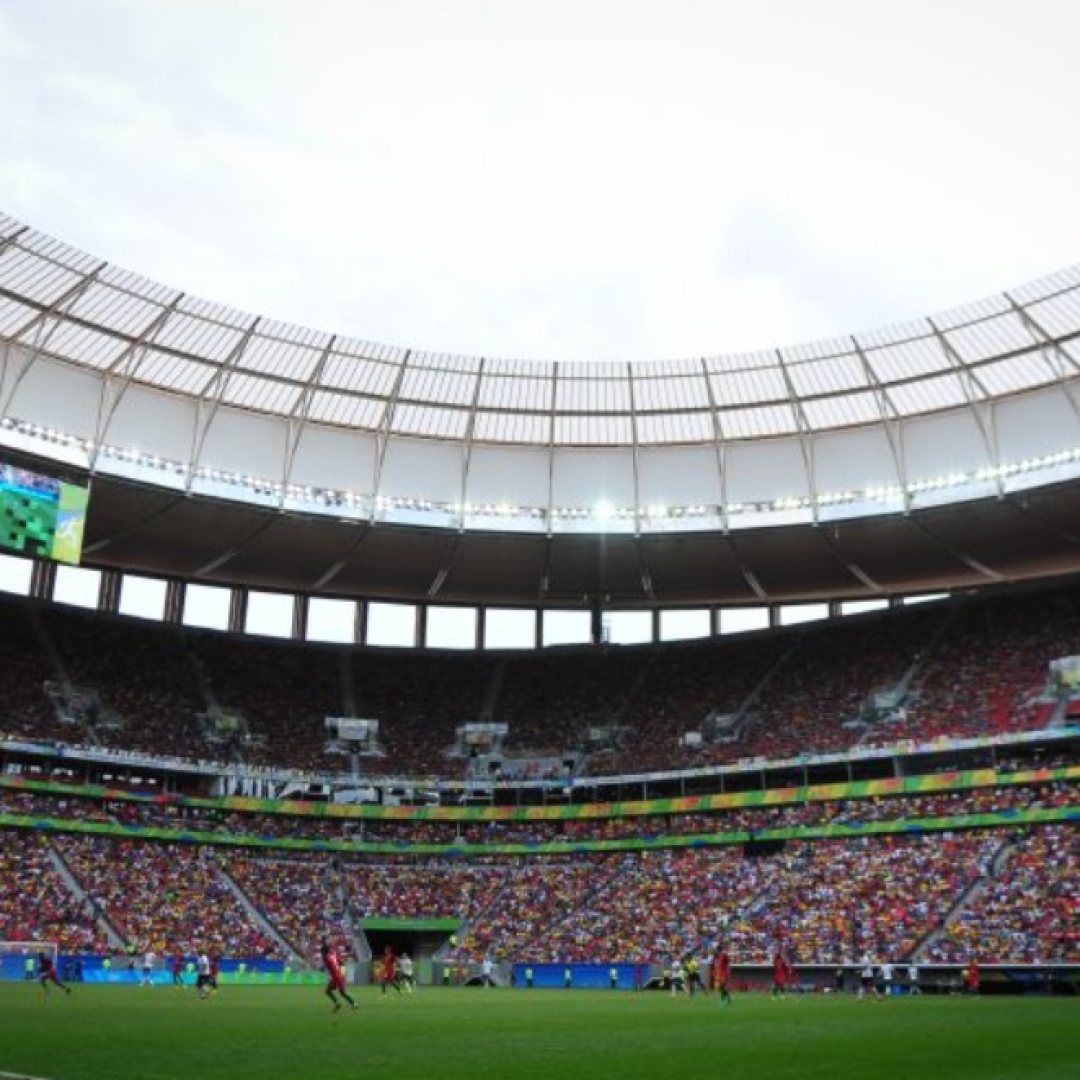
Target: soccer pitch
x: 115, y: 1033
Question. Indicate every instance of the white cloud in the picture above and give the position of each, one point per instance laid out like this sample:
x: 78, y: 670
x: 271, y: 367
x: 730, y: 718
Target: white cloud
x: 561, y: 179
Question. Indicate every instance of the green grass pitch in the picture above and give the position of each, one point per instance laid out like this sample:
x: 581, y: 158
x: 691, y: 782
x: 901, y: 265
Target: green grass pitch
x: 116, y: 1033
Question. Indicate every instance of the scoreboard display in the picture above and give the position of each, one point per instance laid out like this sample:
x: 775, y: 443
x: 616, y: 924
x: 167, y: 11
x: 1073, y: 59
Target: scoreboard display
x: 40, y: 515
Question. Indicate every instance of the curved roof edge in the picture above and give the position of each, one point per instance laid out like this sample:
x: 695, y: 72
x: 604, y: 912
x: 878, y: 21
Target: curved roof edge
x: 63, y: 303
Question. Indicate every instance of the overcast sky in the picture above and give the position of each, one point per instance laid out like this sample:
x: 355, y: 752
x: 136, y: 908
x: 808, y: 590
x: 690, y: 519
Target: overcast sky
x: 556, y: 179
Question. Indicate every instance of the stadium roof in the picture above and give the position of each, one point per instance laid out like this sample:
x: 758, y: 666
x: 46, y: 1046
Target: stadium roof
x: 72, y: 305
x: 227, y: 446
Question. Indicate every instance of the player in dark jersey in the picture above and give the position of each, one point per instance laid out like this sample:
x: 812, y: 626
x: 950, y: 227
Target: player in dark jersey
x: 47, y: 973
x: 335, y: 982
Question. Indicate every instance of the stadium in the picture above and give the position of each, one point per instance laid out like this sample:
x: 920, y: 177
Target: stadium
x: 559, y: 679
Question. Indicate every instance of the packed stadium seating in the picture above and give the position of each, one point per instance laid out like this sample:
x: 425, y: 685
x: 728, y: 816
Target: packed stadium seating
x: 965, y: 668
x: 976, y: 667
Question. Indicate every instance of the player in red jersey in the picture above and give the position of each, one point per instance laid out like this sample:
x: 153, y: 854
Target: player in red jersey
x: 335, y: 982
x: 781, y: 974
x: 722, y: 974
x: 47, y: 969
x: 389, y: 973
x: 972, y: 978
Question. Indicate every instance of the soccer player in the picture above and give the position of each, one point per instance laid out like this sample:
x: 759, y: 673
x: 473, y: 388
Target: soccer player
x: 149, y: 959
x: 693, y: 977
x: 408, y: 979
x: 867, y: 982
x: 389, y: 975
x: 722, y: 975
x: 178, y: 969
x: 335, y: 983
x: 780, y: 974
x: 971, y: 978
x: 202, y: 976
x: 47, y: 969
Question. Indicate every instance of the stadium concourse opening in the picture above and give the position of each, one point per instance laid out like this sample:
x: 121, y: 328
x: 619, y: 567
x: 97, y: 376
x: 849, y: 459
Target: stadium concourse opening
x: 419, y: 938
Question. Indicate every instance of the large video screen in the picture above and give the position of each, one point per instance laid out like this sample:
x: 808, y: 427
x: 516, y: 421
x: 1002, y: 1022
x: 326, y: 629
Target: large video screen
x: 40, y: 515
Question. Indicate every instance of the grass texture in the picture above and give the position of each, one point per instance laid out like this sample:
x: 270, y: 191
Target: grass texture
x: 133, y: 1033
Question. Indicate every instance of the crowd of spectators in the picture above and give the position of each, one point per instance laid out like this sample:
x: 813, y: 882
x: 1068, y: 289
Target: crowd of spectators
x: 1028, y: 910
x: 164, y: 897
x: 303, y: 897
x: 741, y: 822
x: 976, y: 667
x: 968, y: 667
x: 986, y: 675
x: 1007, y: 894
x: 37, y: 905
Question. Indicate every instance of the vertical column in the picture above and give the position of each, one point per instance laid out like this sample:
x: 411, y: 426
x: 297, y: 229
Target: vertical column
x: 109, y: 596
x: 238, y: 602
x: 596, y: 621
x: 175, y: 592
x: 301, y: 605
x: 43, y: 580
x: 360, y: 635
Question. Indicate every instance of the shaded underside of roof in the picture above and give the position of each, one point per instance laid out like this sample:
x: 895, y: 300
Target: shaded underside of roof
x: 992, y: 542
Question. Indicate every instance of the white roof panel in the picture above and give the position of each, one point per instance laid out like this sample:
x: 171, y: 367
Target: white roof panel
x: 983, y: 340
x: 748, y: 387
x: 345, y: 410
x: 430, y: 420
x: 838, y: 374
x: 928, y: 395
x: 14, y: 316
x: 908, y: 360
x: 843, y: 410
x: 173, y: 372
x: 678, y: 392
x: 1017, y: 374
x: 88, y: 346
x: 249, y: 392
x: 512, y: 427
x: 1058, y: 316
x: 355, y: 373
x: 526, y: 392
x: 758, y: 423
x: 675, y: 427
x: 272, y: 356
x: 438, y: 385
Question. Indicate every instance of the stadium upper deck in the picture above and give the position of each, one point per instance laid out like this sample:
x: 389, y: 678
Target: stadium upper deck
x: 941, y: 452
